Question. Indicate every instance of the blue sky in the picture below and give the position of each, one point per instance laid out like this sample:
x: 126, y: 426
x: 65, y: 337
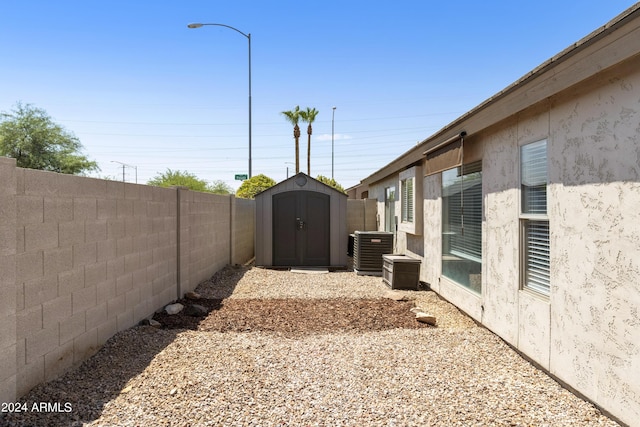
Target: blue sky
x: 136, y: 86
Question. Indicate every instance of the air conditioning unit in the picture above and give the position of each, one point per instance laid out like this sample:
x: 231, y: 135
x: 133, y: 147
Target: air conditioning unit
x: 368, y: 248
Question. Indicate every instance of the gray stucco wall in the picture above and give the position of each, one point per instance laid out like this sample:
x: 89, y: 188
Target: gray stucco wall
x: 587, y: 333
x: 404, y: 243
x: 595, y: 204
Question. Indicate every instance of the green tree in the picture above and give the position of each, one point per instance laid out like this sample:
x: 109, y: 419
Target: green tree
x: 220, y: 187
x: 309, y: 116
x: 179, y: 179
x: 31, y: 137
x: 293, y: 117
x: 254, y: 185
x: 331, y: 182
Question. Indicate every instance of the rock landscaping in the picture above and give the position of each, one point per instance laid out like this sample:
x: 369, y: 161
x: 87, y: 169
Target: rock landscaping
x: 256, y: 347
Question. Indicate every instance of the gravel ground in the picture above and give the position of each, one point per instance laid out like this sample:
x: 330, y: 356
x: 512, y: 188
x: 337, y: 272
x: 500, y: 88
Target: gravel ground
x: 286, y: 349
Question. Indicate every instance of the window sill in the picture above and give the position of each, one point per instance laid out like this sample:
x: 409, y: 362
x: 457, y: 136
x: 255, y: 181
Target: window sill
x: 537, y: 295
x: 409, y: 228
x: 453, y: 283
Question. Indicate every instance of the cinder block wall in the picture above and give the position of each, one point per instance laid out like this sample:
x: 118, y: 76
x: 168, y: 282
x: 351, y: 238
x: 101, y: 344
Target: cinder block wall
x: 243, y: 232
x: 209, y: 241
x: 8, y: 367
x: 82, y: 258
x: 362, y: 215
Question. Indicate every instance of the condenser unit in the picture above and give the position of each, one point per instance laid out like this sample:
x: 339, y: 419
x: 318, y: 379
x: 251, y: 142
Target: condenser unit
x: 368, y: 248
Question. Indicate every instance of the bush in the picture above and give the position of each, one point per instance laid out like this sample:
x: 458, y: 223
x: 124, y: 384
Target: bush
x: 254, y: 185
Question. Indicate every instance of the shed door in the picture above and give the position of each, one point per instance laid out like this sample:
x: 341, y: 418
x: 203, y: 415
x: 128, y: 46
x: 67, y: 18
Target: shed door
x: 300, y: 229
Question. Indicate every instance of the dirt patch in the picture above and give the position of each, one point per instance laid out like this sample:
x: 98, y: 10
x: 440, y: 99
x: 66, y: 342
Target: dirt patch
x: 295, y: 316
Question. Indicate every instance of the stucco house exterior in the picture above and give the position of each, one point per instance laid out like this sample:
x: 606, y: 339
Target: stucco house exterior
x: 525, y: 212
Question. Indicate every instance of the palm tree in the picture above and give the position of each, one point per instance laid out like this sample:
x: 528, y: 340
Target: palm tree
x: 309, y: 116
x: 293, y: 117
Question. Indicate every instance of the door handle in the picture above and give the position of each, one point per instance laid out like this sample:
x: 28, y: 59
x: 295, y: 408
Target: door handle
x: 300, y: 224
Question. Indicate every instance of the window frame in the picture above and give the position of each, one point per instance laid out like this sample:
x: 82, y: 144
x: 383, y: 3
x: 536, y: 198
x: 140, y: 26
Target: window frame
x: 527, y: 220
x: 390, y: 199
x: 465, y: 172
x: 407, y: 197
x: 412, y: 223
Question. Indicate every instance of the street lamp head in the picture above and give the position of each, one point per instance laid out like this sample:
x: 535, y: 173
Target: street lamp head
x: 194, y: 25
x: 334, y: 108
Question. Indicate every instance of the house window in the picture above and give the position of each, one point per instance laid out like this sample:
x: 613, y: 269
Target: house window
x: 533, y: 217
x: 462, y: 225
x: 407, y: 199
x: 390, y: 209
x: 410, y: 220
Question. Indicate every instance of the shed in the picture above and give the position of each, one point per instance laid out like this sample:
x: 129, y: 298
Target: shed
x: 301, y: 222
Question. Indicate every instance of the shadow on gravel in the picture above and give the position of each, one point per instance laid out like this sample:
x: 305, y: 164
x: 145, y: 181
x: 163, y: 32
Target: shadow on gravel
x: 79, y: 397
x: 224, y: 281
x: 106, y: 376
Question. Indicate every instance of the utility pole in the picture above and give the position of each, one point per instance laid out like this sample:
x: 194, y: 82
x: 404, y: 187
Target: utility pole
x: 124, y: 165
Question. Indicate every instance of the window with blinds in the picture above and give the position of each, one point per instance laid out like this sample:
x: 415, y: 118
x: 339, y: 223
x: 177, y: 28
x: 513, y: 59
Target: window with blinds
x: 534, y: 220
x: 534, y: 178
x: 407, y: 200
x: 462, y: 225
x: 410, y: 218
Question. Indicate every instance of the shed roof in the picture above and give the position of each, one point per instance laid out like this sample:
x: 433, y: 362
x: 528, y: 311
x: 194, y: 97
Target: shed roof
x: 605, y: 47
x: 295, y: 178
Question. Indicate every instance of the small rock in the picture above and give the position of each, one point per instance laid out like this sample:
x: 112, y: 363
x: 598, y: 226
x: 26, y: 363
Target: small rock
x: 395, y: 295
x: 173, y: 391
x: 196, y: 310
x: 415, y: 310
x: 426, y: 318
x: 174, y: 308
x: 150, y: 322
x: 192, y: 295
x: 127, y: 389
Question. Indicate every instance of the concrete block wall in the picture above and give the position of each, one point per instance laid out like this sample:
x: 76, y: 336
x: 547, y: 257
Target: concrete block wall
x: 82, y: 258
x: 244, y: 224
x: 93, y: 257
x: 209, y: 244
x: 8, y: 347
x: 362, y: 215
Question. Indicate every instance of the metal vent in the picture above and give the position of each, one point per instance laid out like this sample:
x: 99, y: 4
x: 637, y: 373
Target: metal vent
x: 368, y: 248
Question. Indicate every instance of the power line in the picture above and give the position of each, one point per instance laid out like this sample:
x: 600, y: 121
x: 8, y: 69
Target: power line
x: 274, y: 123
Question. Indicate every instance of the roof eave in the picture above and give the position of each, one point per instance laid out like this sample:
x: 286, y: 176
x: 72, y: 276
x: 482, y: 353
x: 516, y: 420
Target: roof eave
x: 490, y: 111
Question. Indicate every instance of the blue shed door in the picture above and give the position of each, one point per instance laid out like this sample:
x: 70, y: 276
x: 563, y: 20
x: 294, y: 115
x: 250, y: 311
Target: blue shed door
x: 301, y: 229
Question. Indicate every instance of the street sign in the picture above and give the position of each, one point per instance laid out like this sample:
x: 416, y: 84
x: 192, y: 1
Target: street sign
x: 241, y: 177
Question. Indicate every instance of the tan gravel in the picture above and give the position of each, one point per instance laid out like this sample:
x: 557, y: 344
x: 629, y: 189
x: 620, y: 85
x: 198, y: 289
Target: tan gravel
x: 345, y: 373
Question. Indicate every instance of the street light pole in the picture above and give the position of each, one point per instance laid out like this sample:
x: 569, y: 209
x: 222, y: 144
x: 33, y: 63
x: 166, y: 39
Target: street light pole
x: 248, y: 36
x: 333, y: 113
